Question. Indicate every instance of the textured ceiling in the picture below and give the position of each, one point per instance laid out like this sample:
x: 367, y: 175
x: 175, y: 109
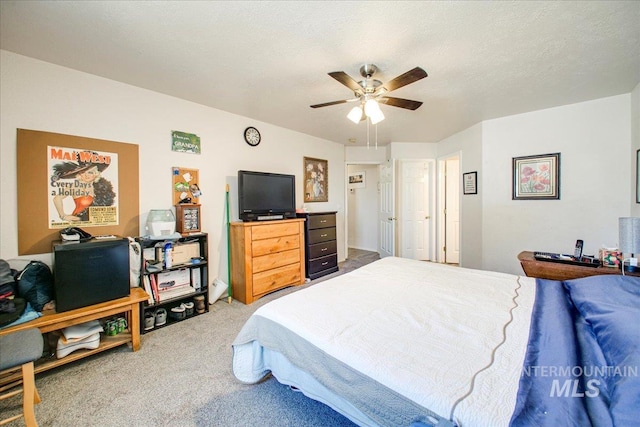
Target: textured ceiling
x: 268, y: 60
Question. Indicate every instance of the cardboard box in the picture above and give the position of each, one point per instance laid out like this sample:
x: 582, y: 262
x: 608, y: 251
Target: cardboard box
x: 182, y: 254
x: 173, y: 279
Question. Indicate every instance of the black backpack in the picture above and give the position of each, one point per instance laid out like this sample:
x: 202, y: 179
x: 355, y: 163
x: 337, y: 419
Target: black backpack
x: 35, y: 284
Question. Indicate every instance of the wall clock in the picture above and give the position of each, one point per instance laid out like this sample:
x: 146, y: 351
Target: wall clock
x: 252, y: 136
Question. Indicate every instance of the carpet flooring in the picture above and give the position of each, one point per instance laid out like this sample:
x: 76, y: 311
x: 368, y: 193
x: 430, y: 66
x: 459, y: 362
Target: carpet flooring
x: 181, y: 376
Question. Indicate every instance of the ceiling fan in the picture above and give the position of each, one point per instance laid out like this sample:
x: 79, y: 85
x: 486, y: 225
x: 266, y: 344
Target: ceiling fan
x: 374, y: 90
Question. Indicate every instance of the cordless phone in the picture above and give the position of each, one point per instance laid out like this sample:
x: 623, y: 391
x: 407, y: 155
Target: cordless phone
x: 577, y: 253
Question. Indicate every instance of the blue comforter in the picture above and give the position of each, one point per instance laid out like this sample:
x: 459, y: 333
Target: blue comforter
x: 582, y: 366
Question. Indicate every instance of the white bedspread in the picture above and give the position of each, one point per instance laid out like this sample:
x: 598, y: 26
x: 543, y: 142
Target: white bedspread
x: 423, y: 330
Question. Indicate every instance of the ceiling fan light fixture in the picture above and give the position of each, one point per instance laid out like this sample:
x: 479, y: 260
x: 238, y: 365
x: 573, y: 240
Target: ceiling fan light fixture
x: 355, y: 114
x: 371, y: 107
x: 376, y: 117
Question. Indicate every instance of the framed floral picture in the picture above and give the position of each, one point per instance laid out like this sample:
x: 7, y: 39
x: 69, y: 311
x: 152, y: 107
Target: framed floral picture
x: 536, y: 177
x: 316, y: 180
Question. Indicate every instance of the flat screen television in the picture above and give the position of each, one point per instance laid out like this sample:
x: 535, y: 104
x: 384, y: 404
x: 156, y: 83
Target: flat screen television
x: 266, y: 196
x: 90, y: 272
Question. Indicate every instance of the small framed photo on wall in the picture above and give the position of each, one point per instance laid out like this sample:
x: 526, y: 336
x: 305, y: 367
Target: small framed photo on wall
x: 357, y: 180
x: 536, y: 177
x: 470, y: 183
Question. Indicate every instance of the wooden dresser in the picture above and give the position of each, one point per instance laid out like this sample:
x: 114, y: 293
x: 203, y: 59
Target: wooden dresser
x: 266, y: 256
x: 320, y: 243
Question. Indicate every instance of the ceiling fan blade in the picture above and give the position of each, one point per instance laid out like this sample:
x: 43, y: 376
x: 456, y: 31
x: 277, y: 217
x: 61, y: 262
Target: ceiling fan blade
x: 326, y: 104
x: 405, y: 79
x: 400, y: 102
x: 344, y: 78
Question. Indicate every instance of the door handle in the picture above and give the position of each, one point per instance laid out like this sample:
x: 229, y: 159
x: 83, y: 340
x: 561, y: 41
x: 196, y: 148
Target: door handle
x: 391, y: 219
x: 427, y: 217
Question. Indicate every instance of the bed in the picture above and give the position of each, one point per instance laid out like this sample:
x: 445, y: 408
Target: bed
x: 400, y: 342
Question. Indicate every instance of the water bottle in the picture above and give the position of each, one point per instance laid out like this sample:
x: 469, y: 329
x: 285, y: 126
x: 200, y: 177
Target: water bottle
x: 167, y: 256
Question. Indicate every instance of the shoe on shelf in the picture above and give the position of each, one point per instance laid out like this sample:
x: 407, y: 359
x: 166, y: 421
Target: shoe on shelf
x: 149, y: 320
x: 188, y: 307
x: 161, y: 316
x: 178, y: 312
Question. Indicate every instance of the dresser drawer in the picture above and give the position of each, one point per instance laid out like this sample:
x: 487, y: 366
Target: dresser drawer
x: 321, y: 235
x: 268, y: 262
x: 321, y: 221
x: 274, y: 245
x: 270, y: 230
x: 278, y: 278
x: 322, y: 249
x: 323, y: 263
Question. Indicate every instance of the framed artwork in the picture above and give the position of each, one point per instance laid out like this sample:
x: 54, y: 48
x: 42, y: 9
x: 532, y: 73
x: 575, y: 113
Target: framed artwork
x: 52, y: 165
x: 316, y: 180
x: 469, y: 182
x: 357, y: 180
x: 536, y: 177
x: 638, y: 176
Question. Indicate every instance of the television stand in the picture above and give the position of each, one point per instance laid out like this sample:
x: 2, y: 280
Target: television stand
x: 51, y: 321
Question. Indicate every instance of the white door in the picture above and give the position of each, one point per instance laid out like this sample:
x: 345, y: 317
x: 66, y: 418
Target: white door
x: 386, y: 219
x: 415, y: 213
x: 452, y: 211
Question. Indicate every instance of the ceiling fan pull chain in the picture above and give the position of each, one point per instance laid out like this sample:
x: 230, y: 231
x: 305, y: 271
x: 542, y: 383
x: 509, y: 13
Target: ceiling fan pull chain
x: 368, y: 121
x: 376, y: 136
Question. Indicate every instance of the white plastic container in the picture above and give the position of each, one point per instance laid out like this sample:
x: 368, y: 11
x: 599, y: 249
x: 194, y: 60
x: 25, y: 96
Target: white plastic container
x: 161, y: 222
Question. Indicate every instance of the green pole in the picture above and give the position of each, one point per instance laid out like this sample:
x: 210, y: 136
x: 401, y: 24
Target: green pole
x: 229, y: 289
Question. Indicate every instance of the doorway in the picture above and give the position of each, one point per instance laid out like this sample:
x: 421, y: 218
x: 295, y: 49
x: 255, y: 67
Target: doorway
x: 449, y: 209
x: 361, y: 219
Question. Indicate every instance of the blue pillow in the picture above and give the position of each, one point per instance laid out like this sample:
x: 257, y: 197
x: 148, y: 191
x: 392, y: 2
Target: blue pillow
x: 610, y: 304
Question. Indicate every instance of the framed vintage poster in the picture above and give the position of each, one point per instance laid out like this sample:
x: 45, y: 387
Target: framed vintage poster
x: 357, y: 180
x: 316, y: 180
x: 536, y: 177
x: 74, y: 181
x: 470, y: 183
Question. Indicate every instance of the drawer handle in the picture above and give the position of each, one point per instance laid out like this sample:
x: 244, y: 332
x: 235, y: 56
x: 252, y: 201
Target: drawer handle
x: 323, y: 235
x: 325, y: 263
x: 324, y: 249
x: 324, y: 220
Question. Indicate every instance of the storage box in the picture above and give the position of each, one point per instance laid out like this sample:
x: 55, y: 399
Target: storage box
x: 173, y: 279
x: 611, y: 257
x: 182, y: 254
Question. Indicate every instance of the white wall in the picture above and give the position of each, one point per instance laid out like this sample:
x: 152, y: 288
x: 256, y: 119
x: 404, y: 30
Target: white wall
x: 635, y: 146
x: 362, y: 210
x: 594, y: 139
x: 41, y: 96
x: 469, y: 144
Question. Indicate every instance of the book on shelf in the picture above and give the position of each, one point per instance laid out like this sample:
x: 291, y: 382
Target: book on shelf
x: 154, y: 286
x: 147, y: 288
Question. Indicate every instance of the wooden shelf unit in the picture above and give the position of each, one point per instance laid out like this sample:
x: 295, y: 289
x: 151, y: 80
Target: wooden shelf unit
x: 560, y: 271
x: 266, y: 256
x: 51, y: 321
